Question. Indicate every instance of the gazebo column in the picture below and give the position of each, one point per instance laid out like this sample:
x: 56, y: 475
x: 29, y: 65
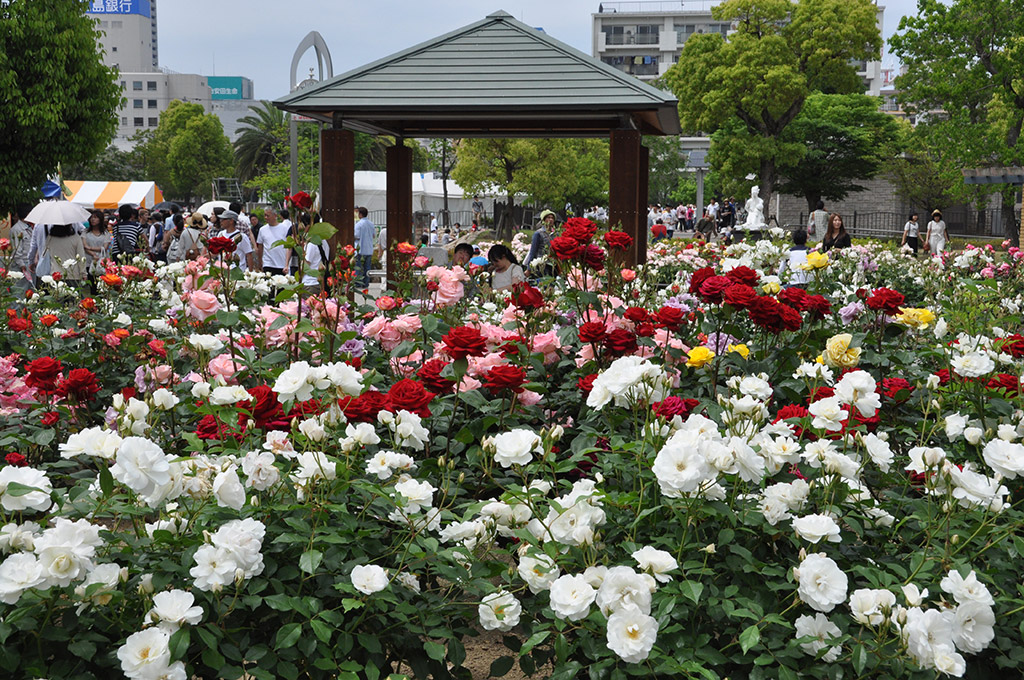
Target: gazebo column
x: 641, y: 204
x: 337, y: 182
x: 399, y: 196
x: 624, y: 179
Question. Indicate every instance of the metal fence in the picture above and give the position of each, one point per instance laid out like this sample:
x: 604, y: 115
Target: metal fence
x: 463, y: 218
x: 959, y: 222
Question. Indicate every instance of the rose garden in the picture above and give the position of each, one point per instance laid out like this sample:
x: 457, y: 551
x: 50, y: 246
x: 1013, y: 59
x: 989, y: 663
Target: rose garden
x: 681, y: 469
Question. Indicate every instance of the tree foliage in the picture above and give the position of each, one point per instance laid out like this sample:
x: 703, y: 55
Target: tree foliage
x: 187, y: 151
x: 846, y: 138
x: 262, y: 138
x: 110, y: 165
x: 547, y: 171
x: 58, y: 102
x: 965, y: 73
x: 757, y: 80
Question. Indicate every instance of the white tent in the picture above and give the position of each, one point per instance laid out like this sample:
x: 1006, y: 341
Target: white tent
x: 427, y: 192
x: 111, y: 195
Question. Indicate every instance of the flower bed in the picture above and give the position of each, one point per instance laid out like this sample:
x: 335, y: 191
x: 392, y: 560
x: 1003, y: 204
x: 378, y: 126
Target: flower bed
x: 686, y: 469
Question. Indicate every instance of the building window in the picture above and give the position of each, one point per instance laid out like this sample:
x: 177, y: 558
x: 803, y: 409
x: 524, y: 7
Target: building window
x: 136, y: 103
x: 151, y: 85
x: 123, y: 84
x: 153, y: 122
x: 114, y: 48
x: 124, y: 121
x: 137, y: 85
x: 117, y: 24
x: 151, y: 103
x: 139, y: 122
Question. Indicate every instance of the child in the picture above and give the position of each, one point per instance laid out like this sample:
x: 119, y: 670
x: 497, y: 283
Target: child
x: 797, y: 257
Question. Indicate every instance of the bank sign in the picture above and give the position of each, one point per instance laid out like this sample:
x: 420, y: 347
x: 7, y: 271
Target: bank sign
x: 141, y: 7
x: 225, y: 87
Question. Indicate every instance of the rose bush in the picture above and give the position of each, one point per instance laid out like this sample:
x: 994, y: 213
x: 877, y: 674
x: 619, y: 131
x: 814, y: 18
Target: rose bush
x: 690, y: 470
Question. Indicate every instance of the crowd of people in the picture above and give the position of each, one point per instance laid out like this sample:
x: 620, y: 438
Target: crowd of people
x: 79, y: 253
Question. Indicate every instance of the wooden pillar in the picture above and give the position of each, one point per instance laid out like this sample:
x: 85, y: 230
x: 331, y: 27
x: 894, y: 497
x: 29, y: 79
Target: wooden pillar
x: 641, y: 206
x: 399, y: 195
x: 624, y: 187
x: 337, y: 183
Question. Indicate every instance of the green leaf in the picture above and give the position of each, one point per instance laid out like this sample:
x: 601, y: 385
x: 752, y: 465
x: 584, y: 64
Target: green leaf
x: 106, y: 481
x: 320, y: 232
x: 692, y: 590
x: 179, y: 644
x: 212, y: 658
x: 750, y: 637
x: 288, y: 635
x: 82, y: 649
x: 19, y: 489
x: 860, y: 659
x: 534, y: 640
x: 501, y: 666
x: 435, y: 650
x: 349, y: 603
x: 310, y: 560
x: 322, y: 631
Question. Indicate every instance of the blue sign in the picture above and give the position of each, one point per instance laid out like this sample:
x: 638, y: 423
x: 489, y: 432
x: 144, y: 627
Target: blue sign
x: 141, y: 7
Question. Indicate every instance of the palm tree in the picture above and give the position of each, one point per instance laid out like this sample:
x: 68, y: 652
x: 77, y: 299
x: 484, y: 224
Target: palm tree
x: 262, y: 140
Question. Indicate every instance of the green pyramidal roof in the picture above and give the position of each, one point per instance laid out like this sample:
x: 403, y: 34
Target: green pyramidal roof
x: 496, y: 77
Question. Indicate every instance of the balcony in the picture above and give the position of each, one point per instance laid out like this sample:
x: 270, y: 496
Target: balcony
x: 630, y: 39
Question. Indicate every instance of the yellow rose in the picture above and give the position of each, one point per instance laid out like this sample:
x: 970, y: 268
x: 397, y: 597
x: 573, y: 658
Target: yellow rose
x: 740, y: 349
x: 918, y: 318
x: 839, y: 354
x: 699, y: 356
x: 815, y: 260
x: 771, y: 287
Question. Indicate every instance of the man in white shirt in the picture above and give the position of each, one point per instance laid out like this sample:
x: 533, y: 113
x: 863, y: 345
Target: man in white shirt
x: 272, y: 258
x: 243, y: 249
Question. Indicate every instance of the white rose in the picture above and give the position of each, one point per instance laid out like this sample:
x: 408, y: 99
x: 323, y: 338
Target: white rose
x: 346, y: 378
x: 228, y: 489
x: 418, y: 495
x: 923, y: 458
x: 622, y: 587
x: 828, y: 414
x: 206, y: 343
x: 1006, y: 458
x: 973, y: 365
x: 293, y: 383
x: 147, y: 654
x: 138, y: 410
x: 173, y: 609
x: 857, y: 388
x: 539, y: 571
x: 571, y: 597
x: 229, y: 394
x: 164, y: 399
x: 516, y: 447
x: 822, y: 583
x: 143, y: 467
x: 814, y: 528
x: 973, y: 626
x: 499, y: 611
x: 201, y: 390
x: 37, y: 500
x: 926, y: 631
x: 879, y: 451
x: 122, y: 319
x: 313, y: 428
x: 260, y: 471
x: 913, y: 595
x: 18, y: 573
x: 968, y: 589
x: 871, y: 607
x: 823, y: 631
x: 369, y: 578
x: 656, y: 562
x: 632, y: 634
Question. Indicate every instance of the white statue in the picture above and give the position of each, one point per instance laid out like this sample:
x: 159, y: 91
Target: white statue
x: 755, y: 209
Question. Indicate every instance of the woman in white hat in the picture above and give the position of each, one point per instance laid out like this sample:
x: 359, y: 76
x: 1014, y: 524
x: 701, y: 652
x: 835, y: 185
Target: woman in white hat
x: 935, y: 239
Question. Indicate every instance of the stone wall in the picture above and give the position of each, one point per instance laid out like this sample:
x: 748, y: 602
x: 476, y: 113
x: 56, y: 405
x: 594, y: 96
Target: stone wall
x: 880, y: 196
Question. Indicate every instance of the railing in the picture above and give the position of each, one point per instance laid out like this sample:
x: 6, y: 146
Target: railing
x: 463, y: 217
x: 639, y: 39
x: 959, y: 222
x: 647, y: 7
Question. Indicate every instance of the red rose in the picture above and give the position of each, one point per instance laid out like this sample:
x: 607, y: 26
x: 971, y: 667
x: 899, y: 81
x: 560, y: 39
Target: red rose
x: 1012, y: 345
x: 943, y: 375
x: 220, y: 244
x: 80, y: 384
x: 897, y: 389
x: 365, y: 407
x: 764, y: 312
x: 157, y: 347
x: 43, y: 373
x: 48, y: 319
x: 673, y: 406
x: 15, y: 459
x: 430, y: 375
x: 505, y: 377
x: 1005, y: 381
x: 817, y: 306
x: 266, y: 409
x: 464, y: 341
x: 636, y: 314
x: 88, y: 304
x: 586, y: 383
x: 510, y: 345
x: 620, y: 342
x: 300, y: 200
x: 794, y: 297
x: 19, y: 325
x: 885, y: 300
x: 527, y: 297
x: 670, y: 317
x: 618, y: 240
x: 211, y: 428
x: 409, y: 395
x: 579, y: 229
x: 711, y: 290
x: 791, y: 411
x: 645, y: 330
x: 790, y: 318
x: 593, y: 257
x: 593, y: 331
x: 50, y: 418
x: 820, y: 392
x: 564, y: 247
x: 739, y: 295
x: 303, y: 409
x: 744, y: 275
x: 698, y: 278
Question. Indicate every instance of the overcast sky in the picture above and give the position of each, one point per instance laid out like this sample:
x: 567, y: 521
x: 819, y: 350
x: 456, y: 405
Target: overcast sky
x: 257, y: 38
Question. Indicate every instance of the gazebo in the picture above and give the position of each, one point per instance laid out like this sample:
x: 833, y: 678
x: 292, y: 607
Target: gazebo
x: 497, y: 77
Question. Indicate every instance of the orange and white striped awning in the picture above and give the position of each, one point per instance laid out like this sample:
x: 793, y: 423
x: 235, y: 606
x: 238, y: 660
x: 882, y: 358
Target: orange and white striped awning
x: 111, y: 195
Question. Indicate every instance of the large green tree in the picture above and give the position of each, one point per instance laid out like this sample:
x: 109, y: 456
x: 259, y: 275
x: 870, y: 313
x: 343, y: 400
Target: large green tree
x: 110, y: 165
x: 262, y: 137
x: 846, y: 138
x: 58, y: 102
x: 964, y: 72
x: 187, y: 151
x: 547, y: 171
x: 758, y: 78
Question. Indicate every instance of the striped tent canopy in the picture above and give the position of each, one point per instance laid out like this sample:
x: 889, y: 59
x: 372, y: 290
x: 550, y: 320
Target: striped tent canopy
x: 111, y: 195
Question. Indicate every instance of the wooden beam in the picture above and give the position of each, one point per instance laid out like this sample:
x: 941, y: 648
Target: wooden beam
x: 639, y: 253
x: 337, y: 182
x: 624, y: 187
x: 399, y: 196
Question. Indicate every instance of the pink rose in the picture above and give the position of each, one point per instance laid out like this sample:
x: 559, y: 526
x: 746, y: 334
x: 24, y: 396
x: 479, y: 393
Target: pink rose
x: 469, y: 383
x: 405, y: 367
x: 449, y: 291
x: 627, y: 275
x: 163, y: 374
x: 421, y: 261
x: 528, y: 398
x: 408, y: 324
x: 480, y: 365
x: 548, y: 344
x: 222, y: 365
x: 202, y: 305
x: 386, y: 303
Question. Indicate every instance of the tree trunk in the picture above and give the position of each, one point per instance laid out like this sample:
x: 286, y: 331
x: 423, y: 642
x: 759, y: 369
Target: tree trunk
x: 769, y: 177
x: 444, y: 182
x: 1011, y: 227
x: 812, y: 202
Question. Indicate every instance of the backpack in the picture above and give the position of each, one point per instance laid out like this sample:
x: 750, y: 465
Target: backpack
x: 125, y: 245
x: 174, y: 253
